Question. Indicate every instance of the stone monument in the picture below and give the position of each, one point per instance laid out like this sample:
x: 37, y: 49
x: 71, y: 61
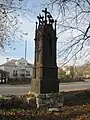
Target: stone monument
x: 45, y: 72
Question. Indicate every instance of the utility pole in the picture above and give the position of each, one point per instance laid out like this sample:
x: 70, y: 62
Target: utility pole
x: 25, y: 49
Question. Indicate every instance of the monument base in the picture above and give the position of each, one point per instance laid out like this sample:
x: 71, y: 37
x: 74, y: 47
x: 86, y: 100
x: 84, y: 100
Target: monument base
x: 43, y: 86
x: 49, y: 100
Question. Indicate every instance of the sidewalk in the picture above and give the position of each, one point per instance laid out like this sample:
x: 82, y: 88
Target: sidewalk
x: 8, y: 85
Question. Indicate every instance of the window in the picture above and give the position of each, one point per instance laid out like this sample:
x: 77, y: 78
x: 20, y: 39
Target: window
x: 22, y: 75
x: 15, y: 73
x: 27, y: 73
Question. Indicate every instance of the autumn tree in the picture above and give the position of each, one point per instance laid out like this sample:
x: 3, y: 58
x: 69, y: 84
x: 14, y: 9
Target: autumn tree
x: 10, y: 12
x: 73, y: 18
x: 72, y: 71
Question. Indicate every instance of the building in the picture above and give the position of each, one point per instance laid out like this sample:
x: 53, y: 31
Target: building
x: 18, y: 68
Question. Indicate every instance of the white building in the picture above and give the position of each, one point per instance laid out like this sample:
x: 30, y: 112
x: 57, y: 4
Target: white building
x: 18, y: 68
x: 66, y: 69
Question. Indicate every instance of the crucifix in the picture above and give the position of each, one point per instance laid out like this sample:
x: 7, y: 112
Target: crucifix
x: 45, y: 11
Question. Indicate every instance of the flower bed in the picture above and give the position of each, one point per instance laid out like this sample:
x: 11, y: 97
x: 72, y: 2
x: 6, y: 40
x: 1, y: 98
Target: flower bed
x: 12, y: 102
x: 76, y: 107
x: 78, y: 97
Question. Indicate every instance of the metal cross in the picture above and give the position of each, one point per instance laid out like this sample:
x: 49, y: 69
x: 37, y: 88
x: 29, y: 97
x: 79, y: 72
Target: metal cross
x: 45, y: 11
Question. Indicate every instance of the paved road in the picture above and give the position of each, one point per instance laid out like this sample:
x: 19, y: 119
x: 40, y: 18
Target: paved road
x: 23, y: 89
x: 74, y: 86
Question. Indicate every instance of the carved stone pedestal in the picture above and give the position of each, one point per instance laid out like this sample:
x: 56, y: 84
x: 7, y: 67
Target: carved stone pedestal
x: 50, y: 100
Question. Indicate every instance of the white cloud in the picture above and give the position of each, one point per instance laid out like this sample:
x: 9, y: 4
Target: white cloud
x: 2, y: 59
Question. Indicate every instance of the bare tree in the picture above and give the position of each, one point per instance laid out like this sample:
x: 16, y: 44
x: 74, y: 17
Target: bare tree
x: 73, y: 28
x: 10, y: 12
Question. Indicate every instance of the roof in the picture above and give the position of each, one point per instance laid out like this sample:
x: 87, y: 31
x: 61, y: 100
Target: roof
x: 14, y: 62
x: 11, y: 62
